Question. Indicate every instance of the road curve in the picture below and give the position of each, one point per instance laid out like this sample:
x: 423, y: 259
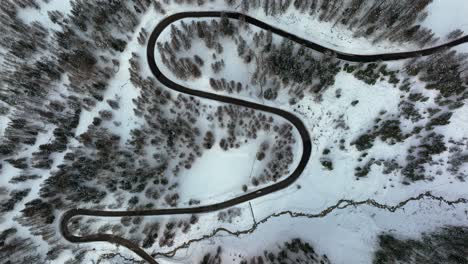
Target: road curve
x: 306, y: 143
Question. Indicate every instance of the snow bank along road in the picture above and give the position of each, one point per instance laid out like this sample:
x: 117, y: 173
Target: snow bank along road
x: 306, y: 143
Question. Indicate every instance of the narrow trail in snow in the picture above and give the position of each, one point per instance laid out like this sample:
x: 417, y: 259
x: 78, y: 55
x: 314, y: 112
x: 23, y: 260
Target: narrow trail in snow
x: 294, y: 120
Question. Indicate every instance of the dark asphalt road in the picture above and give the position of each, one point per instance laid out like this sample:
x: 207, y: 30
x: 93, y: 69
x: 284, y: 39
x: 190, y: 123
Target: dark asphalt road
x: 297, y: 123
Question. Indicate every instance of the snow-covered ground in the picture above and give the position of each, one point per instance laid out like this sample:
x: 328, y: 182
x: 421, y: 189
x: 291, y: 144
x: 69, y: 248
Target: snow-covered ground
x: 341, y: 39
x: 444, y: 16
x: 328, y: 35
x: 30, y: 14
x: 219, y: 175
x: 349, y: 236
x: 346, y: 236
x: 321, y: 118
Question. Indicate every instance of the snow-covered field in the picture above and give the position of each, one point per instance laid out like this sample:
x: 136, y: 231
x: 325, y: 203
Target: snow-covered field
x: 219, y: 175
x: 444, y: 16
x: 351, y: 233
x: 344, y: 235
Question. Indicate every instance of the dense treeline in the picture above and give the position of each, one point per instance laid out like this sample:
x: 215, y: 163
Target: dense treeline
x: 48, y: 77
x: 292, y: 67
x: 446, y: 72
x: 446, y: 245
x: 376, y: 20
x: 41, y: 64
x: 279, y: 164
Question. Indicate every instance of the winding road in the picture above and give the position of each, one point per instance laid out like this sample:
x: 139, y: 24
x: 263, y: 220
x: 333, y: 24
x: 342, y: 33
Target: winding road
x: 295, y: 121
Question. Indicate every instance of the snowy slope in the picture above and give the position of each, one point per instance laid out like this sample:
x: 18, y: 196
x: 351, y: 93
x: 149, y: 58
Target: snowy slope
x: 345, y: 235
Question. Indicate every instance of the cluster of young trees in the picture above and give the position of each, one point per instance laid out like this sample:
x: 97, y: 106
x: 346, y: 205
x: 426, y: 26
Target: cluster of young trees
x: 290, y: 252
x: 38, y: 215
x: 286, y: 65
x: 8, y: 204
x: 371, y: 73
x: 148, y: 233
x: 24, y: 177
x: 420, y: 111
x: 246, y: 123
x: 151, y: 231
x: 446, y: 72
x: 458, y: 158
x: 208, y: 258
x: 422, y: 154
x: 419, y: 155
x: 223, y: 85
x: 281, y: 155
x: 167, y: 234
x: 240, y: 123
x: 293, y: 67
x: 325, y: 160
x: 227, y: 216
x: 175, y: 134
x: 181, y: 40
x: 217, y: 66
x: 409, y: 111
